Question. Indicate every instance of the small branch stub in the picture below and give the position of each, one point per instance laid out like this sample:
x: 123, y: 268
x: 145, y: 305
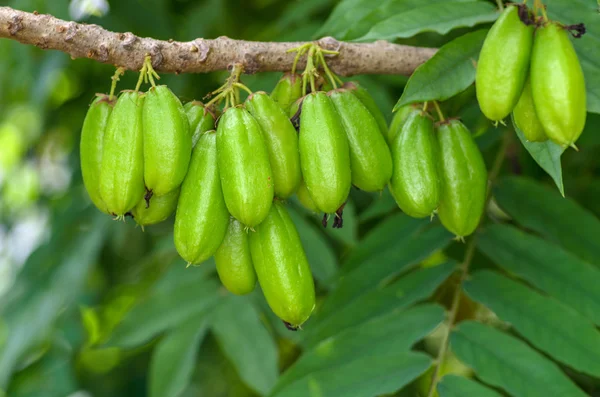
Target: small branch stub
x: 200, y: 56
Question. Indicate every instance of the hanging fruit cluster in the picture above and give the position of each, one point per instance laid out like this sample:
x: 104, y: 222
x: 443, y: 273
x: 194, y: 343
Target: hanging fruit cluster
x: 227, y: 173
x: 528, y: 66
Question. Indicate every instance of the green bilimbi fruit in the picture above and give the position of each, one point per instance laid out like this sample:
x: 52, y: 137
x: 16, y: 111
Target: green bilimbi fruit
x: 201, y: 219
x: 167, y: 141
x: 503, y: 64
x: 557, y: 85
x: 463, y: 177
x: 399, y: 119
x: 415, y: 183
x: 156, y: 210
x: 324, y: 152
x: 282, y: 268
x: 367, y: 100
x: 281, y: 140
x: 305, y: 199
x: 287, y: 90
x: 122, y: 168
x: 526, y: 117
x: 370, y: 158
x: 201, y: 119
x: 244, y: 167
x: 234, y: 262
x: 91, y: 146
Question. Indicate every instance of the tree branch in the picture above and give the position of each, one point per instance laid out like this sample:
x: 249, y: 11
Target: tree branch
x: 199, y: 56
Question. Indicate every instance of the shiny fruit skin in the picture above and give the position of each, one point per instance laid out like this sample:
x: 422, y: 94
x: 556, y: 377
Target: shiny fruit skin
x: 234, y: 262
x: 91, y: 146
x: 398, y: 121
x: 167, y: 141
x: 282, y: 268
x: 201, y: 219
x: 464, y: 179
x: 558, y: 85
x: 305, y: 199
x: 370, y: 158
x: 201, y: 119
x: 415, y: 183
x: 281, y: 140
x: 361, y: 93
x: 287, y: 90
x: 122, y: 168
x: 156, y: 210
x: 324, y: 152
x: 503, y: 64
x: 526, y: 117
x: 246, y: 176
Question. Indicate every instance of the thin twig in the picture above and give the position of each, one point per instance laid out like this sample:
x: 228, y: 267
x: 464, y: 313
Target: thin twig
x: 464, y: 267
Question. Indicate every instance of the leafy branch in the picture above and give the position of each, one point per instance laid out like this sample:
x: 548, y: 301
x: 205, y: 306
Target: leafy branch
x: 200, y: 55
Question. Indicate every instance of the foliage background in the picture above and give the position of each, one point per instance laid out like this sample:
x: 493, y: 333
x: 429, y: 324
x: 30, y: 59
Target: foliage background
x: 94, y: 307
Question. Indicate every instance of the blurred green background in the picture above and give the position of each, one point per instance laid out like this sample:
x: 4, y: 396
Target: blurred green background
x: 80, y: 316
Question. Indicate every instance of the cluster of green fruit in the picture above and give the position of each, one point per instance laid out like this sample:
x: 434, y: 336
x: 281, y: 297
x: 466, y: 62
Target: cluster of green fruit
x: 528, y: 66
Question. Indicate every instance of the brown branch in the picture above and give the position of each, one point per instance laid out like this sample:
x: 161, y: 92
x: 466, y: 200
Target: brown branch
x: 200, y: 55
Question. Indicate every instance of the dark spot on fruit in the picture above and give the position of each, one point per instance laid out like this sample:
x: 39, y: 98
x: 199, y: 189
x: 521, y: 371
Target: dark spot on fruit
x: 290, y: 326
x: 324, y: 220
x: 338, y: 222
x: 147, y: 197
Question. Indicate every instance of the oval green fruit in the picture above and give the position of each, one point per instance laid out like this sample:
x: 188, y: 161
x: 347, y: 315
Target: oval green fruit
x: 244, y: 167
x: 234, y: 262
x: 156, y: 210
x: 415, y: 183
x: 367, y: 100
x: 281, y: 140
x: 122, y: 168
x: 557, y: 85
x: 287, y: 90
x: 464, y: 179
x: 282, y: 268
x: 305, y: 199
x: 503, y: 64
x: 91, y: 144
x: 526, y: 117
x: 167, y: 141
x: 399, y: 119
x: 324, y: 152
x: 201, y: 119
x: 370, y: 158
x: 201, y: 219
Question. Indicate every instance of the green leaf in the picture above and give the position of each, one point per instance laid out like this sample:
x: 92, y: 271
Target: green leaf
x: 412, y: 288
x: 450, y: 71
x: 384, y: 264
x: 372, y: 376
x: 183, y: 294
x: 457, y: 386
x: 345, y: 14
x: 174, y: 358
x: 504, y: 361
x: 440, y: 18
x: 246, y: 342
x: 33, y: 306
x: 381, y: 205
x: 562, y: 221
x: 393, y: 333
x: 383, y: 237
x: 319, y: 253
x: 544, y: 322
x: 546, y: 266
x: 546, y: 154
x: 571, y: 12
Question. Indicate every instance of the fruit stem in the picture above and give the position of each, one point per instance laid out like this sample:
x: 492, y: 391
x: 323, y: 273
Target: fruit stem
x: 299, y: 52
x: 464, y: 267
x: 500, y: 5
x: 115, y: 78
x: 230, y: 90
x: 141, y: 78
x: 328, y: 71
x: 439, y: 111
x: 309, y: 71
x: 539, y: 6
